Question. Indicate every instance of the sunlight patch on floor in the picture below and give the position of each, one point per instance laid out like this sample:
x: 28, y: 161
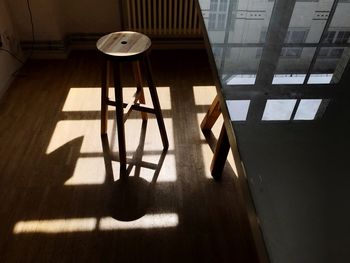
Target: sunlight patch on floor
x: 153, y: 141
x: 207, y: 157
x: 68, y: 130
x: 55, y: 226
x: 83, y: 99
x: 167, y: 172
x: 89, y: 98
x: 163, y: 95
x: 88, y: 171
x: 145, y: 222
x: 204, y: 95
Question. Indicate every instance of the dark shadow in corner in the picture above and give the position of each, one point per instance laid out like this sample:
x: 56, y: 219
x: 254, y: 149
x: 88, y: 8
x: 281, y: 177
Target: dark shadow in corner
x: 131, y: 196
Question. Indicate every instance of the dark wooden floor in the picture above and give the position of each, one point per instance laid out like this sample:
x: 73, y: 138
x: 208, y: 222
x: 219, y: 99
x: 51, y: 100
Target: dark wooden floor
x: 60, y: 197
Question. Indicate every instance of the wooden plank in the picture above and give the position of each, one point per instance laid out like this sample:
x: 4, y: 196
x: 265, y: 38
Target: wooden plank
x: 220, y: 154
x: 212, y: 115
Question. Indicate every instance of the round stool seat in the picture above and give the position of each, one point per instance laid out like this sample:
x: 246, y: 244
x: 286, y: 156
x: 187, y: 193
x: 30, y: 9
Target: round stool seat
x: 124, y: 44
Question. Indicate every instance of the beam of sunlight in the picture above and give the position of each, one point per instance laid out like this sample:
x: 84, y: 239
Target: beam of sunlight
x: 167, y: 172
x: 68, y: 130
x: 55, y: 226
x: 88, y: 171
x: 145, y: 222
x: 207, y: 154
x: 83, y: 99
x: 164, y: 97
x: 153, y: 141
x: 89, y: 98
x: 204, y: 95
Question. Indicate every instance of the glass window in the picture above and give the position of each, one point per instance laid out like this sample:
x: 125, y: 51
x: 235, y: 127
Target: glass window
x: 223, y: 6
x: 288, y: 79
x: 259, y: 52
x: 297, y: 37
x: 212, y: 21
x: 342, y: 37
x: 287, y: 37
x: 238, y: 109
x: 262, y: 36
x: 336, y: 52
x: 242, y: 79
x: 329, y: 37
x: 307, y: 109
x: 213, y: 5
x: 323, y: 52
x: 293, y: 52
x: 221, y: 21
x: 278, y: 110
x: 320, y: 79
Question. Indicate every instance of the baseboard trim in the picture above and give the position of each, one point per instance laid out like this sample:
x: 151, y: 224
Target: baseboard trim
x: 60, y: 49
x: 45, y: 49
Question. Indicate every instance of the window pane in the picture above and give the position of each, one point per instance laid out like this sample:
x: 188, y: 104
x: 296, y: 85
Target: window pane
x: 213, y: 5
x: 298, y: 37
x: 329, y: 66
x: 336, y: 52
x: 329, y: 37
x: 223, y: 5
x: 293, y: 65
x: 212, y: 21
x: 307, y: 109
x: 278, y: 110
x: 293, y: 52
x: 308, y: 21
x: 238, y: 109
x: 221, y: 21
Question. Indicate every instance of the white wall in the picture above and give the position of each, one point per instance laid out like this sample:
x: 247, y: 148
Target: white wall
x: 46, y: 17
x: 90, y: 16
x: 55, y: 19
x: 8, y: 64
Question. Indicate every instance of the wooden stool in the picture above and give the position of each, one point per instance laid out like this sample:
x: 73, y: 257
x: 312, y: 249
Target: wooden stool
x: 223, y: 146
x: 133, y: 47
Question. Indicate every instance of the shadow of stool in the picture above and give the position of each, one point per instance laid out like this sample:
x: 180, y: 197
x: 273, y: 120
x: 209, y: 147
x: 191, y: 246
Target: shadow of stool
x: 131, y: 198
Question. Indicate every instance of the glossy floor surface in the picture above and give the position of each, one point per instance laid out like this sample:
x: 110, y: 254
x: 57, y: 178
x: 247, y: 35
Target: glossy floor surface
x: 283, y: 68
x: 61, y: 200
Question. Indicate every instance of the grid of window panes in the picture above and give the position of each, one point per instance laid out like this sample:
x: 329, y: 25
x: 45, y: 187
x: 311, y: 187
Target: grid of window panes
x: 218, y: 14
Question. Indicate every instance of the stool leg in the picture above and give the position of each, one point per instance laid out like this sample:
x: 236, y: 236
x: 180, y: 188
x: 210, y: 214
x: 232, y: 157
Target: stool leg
x: 212, y: 115
x: 155, y: 101
x: 138, y: 78
x: 104, y: 96
x: 118, y: 90
x: 220, y: 154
